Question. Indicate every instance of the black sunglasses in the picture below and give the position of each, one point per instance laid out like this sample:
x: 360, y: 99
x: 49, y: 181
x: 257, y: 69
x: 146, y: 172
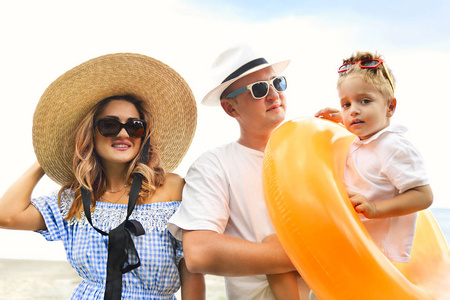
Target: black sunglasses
x: 110, y: 127
x: 260, y: 89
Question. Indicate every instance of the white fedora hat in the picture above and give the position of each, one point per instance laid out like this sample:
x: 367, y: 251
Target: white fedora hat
x: 233, y: 64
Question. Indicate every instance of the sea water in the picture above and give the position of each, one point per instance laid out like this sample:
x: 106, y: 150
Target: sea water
x: 442, y: 216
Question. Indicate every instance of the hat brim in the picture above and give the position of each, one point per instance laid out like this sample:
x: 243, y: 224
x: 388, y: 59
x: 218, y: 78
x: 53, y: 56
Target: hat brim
x: 70, y: 97
x: 213, y: 97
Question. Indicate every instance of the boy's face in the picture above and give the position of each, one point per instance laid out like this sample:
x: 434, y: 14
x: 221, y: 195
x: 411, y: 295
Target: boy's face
x: 364, y: 109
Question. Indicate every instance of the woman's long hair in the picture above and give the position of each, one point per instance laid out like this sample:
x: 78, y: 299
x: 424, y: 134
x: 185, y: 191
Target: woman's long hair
x: 87, y: 166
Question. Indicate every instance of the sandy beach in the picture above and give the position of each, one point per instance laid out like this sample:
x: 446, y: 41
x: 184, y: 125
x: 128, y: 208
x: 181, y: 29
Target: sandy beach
x: 55, y: 280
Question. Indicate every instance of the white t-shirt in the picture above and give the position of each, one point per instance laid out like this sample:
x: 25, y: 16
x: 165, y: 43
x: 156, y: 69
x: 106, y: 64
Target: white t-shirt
x: 381, y: 168
x: 224, y: 193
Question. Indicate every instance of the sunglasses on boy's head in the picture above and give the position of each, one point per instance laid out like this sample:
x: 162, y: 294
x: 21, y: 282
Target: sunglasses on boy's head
x: 110, y: 127
x: 364, y: 64
x: 368, y: 64
x: 260, y: 89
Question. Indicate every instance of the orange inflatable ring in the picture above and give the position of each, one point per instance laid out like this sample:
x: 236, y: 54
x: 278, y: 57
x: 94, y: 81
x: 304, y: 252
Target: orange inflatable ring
x: 323, y: 235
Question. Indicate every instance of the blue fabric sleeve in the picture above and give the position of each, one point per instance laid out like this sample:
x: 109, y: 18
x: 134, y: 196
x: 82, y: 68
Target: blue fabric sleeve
x: 52, y: 214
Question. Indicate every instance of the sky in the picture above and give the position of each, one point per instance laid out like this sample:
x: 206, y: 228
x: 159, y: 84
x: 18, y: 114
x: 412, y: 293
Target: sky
x: 40, y: 40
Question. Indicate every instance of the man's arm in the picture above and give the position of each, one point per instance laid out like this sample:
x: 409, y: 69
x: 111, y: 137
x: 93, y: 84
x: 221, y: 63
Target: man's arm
x: 210, y: 252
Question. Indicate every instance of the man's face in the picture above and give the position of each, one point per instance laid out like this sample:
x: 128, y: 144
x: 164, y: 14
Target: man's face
x: 258, y: 115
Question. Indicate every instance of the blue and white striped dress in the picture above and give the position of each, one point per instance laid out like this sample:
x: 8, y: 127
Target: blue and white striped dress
x: 87, y: 250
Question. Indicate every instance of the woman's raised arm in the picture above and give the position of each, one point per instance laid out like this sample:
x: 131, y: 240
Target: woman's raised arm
x: 16, y: 212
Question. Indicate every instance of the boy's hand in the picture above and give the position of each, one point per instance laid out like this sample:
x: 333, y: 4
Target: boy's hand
x: 363, y: 206
x: 329, y: 113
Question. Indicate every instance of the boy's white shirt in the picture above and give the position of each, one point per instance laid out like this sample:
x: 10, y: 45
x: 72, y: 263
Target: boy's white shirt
x: 381, y: 168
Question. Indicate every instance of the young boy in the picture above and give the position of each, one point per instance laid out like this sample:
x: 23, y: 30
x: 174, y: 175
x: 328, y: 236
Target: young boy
x: 384, y: 173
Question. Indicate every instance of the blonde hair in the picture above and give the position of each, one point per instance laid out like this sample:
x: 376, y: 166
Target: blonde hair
x: 87, y: 166
x: 375, y: 76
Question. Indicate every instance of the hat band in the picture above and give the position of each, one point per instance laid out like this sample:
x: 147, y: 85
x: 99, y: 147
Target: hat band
x: 250, y: 65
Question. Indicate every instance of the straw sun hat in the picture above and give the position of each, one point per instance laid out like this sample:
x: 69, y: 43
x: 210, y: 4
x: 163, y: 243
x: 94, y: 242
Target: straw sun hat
x: 69, y: 98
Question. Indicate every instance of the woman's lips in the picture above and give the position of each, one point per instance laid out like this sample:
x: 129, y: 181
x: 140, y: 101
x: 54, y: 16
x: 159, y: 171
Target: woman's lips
x: 121, y: 145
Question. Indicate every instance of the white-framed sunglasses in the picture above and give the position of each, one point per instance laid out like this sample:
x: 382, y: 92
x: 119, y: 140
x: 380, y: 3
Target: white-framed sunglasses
x: 260, y: 89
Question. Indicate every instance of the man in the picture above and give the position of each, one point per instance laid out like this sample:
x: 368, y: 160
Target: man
x: 223, y: 217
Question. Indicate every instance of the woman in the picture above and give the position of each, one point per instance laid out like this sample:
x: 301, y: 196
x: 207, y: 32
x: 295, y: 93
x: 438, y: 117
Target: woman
x: 108, y: 131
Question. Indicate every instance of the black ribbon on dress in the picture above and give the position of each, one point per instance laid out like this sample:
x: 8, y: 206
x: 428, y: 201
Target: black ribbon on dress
x: 120, y: 244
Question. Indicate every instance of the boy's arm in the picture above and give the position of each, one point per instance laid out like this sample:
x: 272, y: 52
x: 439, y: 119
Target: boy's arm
x: 410, y: 201
x: 192, y: 285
